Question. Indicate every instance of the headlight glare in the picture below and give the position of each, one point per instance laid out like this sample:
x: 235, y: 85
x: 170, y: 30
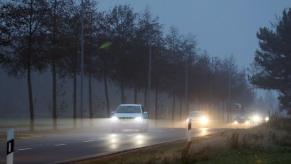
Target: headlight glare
x: 138, y: 119
x: 257, y: 118
x: 203, y: 120
x: 114, y: 118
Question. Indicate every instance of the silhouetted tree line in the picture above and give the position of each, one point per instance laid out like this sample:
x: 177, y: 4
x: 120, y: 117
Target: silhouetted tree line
x: 121, y: 46
x: 272, y: 65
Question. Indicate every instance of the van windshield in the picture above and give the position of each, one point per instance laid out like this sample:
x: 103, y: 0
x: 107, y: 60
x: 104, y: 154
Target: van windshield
x: 128, y: 109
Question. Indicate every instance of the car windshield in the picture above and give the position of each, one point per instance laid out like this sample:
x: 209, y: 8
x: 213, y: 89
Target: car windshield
x: 195, y: 114
x: 128, y: 109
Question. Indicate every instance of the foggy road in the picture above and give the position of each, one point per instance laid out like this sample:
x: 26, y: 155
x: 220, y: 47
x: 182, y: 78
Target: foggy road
x: 89, y: 142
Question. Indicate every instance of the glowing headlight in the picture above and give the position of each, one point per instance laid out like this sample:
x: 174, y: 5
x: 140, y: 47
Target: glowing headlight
x: 247, y: 122
x: 266, y: 119
x: 114, y: 118
x: 235, y: 122
x: 203, y: 120
x: 257, y: 118
x: 138, y: 119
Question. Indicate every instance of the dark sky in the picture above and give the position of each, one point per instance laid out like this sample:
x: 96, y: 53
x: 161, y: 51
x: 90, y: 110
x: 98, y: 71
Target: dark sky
x: 222, y: 27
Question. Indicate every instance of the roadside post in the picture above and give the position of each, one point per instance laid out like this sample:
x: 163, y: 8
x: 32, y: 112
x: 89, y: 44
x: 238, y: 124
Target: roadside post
x: 189, y: 131
x: 10, y: 146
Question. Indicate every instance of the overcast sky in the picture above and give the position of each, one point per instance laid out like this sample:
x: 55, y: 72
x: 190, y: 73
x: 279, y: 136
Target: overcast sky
x: 222, y: 27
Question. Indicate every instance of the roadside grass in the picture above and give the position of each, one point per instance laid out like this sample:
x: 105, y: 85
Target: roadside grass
x: 265, y: 144
x: 22, y: 135
x: 163, y: 152
x: 245, y: 156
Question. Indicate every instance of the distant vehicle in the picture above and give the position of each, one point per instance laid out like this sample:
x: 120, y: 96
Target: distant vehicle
x: 253, y: 120
x: 129, y: 116
x: 241, y: 120
x: 238, y: 116
x: 198, y: 119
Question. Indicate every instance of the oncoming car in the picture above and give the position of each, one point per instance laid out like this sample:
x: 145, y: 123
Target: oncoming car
x: 199, y: 119
x: 129, y: 116
x: 242, y: 120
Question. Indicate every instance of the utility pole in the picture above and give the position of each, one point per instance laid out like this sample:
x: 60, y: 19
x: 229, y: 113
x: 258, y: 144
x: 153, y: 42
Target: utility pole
x: 82, y: 57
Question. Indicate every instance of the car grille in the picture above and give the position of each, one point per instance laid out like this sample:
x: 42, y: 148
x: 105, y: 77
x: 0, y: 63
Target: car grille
x: 126, y: 118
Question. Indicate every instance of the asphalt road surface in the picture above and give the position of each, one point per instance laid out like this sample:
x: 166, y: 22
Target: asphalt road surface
x: 89, y: 142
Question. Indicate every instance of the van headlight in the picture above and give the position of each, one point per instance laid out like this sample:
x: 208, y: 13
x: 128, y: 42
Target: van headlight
x: 203, y: 120
x: 114, y: 118
x: 138, y: 119
x: 235, y: 122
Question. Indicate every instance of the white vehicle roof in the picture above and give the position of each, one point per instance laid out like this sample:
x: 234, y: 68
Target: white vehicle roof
x: 130, y: 105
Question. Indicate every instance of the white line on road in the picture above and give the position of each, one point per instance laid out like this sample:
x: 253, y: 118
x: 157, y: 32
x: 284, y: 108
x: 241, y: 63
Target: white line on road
x: 22, y: 149
x: 60, y: 144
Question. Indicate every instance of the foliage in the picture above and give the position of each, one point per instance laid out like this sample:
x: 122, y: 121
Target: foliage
x: 273, y: 59
x: 117, y: 47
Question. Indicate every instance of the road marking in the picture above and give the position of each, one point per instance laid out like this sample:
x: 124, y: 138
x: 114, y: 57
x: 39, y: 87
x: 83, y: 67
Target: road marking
x: 22, y: 149
x: 60, y: 144
x: 89, y: 141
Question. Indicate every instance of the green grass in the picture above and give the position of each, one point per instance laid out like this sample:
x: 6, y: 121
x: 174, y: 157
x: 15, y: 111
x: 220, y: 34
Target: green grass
x: 161, y: 153
x: 247, y: 156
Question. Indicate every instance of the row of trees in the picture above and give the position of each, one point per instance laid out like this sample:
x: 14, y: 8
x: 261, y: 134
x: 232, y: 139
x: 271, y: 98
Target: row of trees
x: 121, y: 46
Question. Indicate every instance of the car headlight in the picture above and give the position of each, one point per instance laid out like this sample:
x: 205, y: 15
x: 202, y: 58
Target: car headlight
x: 267, y: 119
x: 235, y: 122
x: 114, y: 118
x: 138, y: 119
x: 257, y: 118
x: 203, y: 120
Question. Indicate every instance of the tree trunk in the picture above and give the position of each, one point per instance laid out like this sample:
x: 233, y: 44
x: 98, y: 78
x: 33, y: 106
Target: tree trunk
x: 122, y: 92
x: 30, y: 97
x: 156, y: 102
x: 105, y: 80
x: 181, y: 102
x: 106, y: 95
x: 186, y: 85
x: 145, y: 98
x: 75, y: 99
x: 53, y: 65
x: 135, y: 94
x: 54, y: 95
x: 29, y: 84
x: 173, y: 107
x: 148, y: 102
x: 90, y: 95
